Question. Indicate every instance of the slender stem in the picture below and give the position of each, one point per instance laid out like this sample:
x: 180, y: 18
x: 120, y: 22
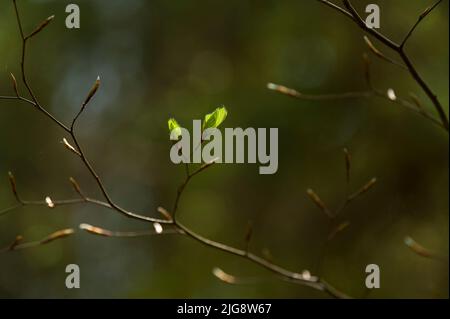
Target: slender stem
x: 24, y: 76
x: 399, y: 48
x: 421, y: 17
x: 297, y: 277
x: 433, y: 97
x: 318, y: 284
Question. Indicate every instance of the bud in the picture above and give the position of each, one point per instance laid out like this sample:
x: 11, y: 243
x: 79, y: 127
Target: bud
x: 57, y: 235
x: 16, y: 242
x: 41, y: 26
x: 165, y: 213
x: 14, y: 82
x: 283, y: 89
x: 70, y: 147
x: 49, y: 202
x: 363, y: 189
x: 92, y: 91
x: 12, y: 181
x: 316, y: 200
x: 96, y: 230
x: 223, y: 276
x: 75, y: 185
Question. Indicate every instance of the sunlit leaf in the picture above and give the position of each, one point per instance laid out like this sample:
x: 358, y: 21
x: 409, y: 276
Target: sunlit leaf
x: 174, y: 128
x: 214, y: 119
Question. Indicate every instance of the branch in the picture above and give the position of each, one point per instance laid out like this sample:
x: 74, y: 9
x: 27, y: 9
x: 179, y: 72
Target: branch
x: 23, y: 68
x: 381, y: 55
x: 352, y: 14
x: 95, y: 230
x: 177, y: 227
x: 18, y: 245
x: 314, y: 282
x: 48, y: 202
x: 371, y: 91
x: 333, y: 228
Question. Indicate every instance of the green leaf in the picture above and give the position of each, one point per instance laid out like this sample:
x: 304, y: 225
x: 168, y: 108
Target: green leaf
x: 173, y: 125
x: 214, y: 119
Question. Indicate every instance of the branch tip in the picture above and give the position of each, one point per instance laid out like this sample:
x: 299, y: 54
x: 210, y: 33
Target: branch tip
x: 158, y: 228
x: 70, y: 147
x: 12, y: 181
x: 318, y: 201
x: 92, y: 92
x: 41, y: 26
x: 76, y: 186
x: 95, y: 230
x: 57, y: 235
x: 165, y: 213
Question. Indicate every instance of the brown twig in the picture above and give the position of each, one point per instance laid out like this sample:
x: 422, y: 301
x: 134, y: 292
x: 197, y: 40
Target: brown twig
x: 371, y: 91
x: 314, y: 282
x: 351, y: 13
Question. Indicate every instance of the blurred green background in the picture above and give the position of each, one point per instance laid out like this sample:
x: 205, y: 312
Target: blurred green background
x: 160, y: 59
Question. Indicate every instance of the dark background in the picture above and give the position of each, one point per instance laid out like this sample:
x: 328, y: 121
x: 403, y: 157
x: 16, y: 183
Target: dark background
x: 161, y: 59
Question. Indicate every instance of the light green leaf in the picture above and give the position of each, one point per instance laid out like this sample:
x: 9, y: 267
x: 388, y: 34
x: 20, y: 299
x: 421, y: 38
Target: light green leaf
x: 174, y: 127
x: 214, y: 119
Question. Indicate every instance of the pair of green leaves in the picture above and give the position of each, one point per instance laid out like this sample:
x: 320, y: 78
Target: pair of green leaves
x: 212, y: 120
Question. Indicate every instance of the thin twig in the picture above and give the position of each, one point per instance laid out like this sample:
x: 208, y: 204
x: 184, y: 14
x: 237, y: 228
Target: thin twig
x: 18, y: 245
x: 315, y: 283
x: 24, y: 76
x: 399, y: 48
x: 95, y: 230
x: 421, y: 17
x: 294, y: 276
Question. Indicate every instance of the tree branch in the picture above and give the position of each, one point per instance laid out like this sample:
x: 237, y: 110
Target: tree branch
x: 352, y: 14
x: 171, y: 219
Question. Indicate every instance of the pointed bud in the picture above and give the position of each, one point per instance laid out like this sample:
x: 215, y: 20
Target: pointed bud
x: 417, y: 248
x: 70, y: 147
x: 92, y: 91
x: 165, y: 213
x: 158, y: 228
x: 316, y: 200
x: 283, y: 89
x: 96, y: 230
x: 373, y: 48
x: 41, y: 26
x: 223, y: 276
x: 16, y: 242
x: 57, y: 235
x: 363, y: 189
x: 75, y: 185
x: 417, y: 102
x: 391, y: 95
x: 12, y: 181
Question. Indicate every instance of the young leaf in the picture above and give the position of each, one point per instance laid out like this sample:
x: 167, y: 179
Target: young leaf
x: 214, y: 119
x: 173, y: 125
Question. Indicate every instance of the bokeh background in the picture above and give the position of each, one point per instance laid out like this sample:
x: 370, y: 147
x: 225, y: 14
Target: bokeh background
x: 160, y: 59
